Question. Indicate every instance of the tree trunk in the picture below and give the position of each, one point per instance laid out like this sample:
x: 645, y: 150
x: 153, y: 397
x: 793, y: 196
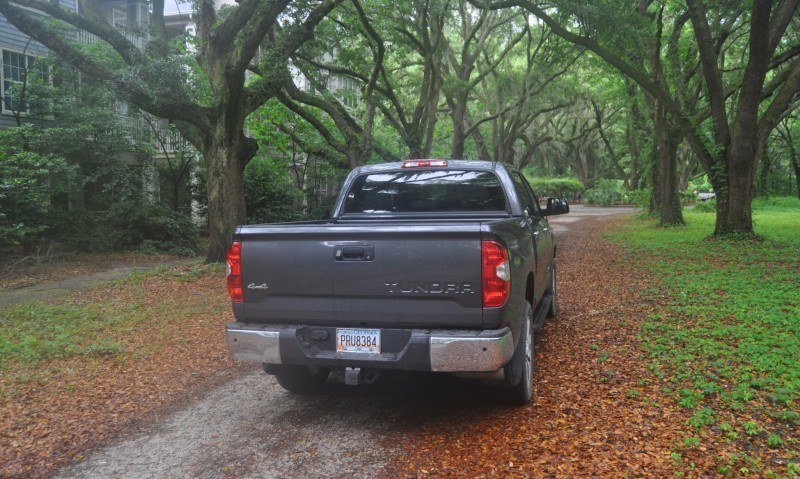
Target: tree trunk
x: 365, y: 152
x: 635, y: 175
x: 415, y: 150
x: 633, y: 130
x: 742, y: 157
x: 480, y: 144
x: 762, y: 187
x: 737, y: 192
x: 665, y: 186
x: 653, y: 207
x: 225, y: 188
x: 459, y: 114
x: 739, y: 215
x: 795, y: 166
x: 669, y: 207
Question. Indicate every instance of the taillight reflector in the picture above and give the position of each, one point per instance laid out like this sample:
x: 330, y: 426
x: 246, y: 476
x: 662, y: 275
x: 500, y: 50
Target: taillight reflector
x: 495, y: 273
x: 424, y: 163
x: 234, y: 260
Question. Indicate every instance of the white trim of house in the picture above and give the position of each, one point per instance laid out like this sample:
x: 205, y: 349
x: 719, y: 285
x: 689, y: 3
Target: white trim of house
x: 3, y: 107
x: 144, y: 16
x: 123, y: 18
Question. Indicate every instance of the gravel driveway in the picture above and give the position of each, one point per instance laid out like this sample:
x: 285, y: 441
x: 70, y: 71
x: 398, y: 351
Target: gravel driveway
x: 251, y: 428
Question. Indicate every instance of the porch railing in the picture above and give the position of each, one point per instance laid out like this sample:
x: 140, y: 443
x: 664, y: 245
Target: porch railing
x: 160, y: 137
x: 139, y: 40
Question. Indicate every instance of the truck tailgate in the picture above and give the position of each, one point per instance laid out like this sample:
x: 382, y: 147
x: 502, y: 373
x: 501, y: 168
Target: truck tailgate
x: 409, y: 274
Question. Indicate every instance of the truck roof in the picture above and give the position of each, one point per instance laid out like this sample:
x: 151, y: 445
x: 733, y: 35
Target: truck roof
x: 451, y: 165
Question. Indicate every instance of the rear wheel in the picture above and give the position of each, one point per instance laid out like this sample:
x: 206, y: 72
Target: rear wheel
x: 552, y: 293
x: 520, y: 368
x: 301, y: 380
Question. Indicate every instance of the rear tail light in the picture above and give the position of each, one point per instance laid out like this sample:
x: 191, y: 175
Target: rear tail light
x: 234, y: 260
x: 495, y: 273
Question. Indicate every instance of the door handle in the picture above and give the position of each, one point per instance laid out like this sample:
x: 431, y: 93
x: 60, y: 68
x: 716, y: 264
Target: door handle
x: 354, y: 253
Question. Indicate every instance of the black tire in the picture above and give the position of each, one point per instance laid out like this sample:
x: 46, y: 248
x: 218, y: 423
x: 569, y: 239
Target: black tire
x: 520, y: 368
x: 552, y: 293
x: 301, y: 380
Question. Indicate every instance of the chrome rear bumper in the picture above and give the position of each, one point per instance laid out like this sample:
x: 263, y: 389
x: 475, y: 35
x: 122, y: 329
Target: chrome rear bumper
x: 424, y: 349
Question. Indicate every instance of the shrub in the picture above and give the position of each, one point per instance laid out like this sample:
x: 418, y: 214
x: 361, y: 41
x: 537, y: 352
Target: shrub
x: 700, y: 183
x: 709, y: 206
x: 152, y: 229
x: 270, y: 193
x: 128, y: 226
x: 27, y: 182
x: 569, y: 188
x: 639, y: 198
x: 606, y: 192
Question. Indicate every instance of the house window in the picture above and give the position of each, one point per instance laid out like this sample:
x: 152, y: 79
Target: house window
x: 17, y: 70
x: 345, y: 89
x: 144, y: 16
x: 119, y: 18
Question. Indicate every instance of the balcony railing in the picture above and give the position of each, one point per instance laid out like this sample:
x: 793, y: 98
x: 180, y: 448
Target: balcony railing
x: 162, y: 140
x: 138, y: 39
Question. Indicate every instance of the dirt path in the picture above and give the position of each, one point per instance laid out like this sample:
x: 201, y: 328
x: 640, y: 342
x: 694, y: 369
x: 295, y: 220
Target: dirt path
x: 52, y: 289
x: 596, y: 412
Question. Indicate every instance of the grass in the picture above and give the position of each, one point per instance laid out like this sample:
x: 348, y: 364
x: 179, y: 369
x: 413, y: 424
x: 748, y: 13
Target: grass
x: 727, y: 329
x: 77, y: 326
x: 40, y: 332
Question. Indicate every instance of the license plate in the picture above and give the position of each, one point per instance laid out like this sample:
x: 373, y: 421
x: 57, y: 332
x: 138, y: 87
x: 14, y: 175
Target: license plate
x: 358, y: 340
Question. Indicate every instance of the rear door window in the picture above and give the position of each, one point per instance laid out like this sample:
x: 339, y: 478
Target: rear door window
x: 532, y: 201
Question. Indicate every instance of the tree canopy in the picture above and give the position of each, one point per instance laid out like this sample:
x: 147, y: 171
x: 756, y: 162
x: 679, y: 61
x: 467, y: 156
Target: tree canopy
x: 654, y: 93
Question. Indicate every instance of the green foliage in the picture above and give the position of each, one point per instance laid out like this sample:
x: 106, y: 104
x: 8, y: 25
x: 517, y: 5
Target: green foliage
x: 774, y: 441
x: 751, y: 428
x: 709, y: 206
x: 281, y: 181
x: 152, y: 229
x: 271, y: 194
x: 569, y: 188
x: 700, y: 185
x: 604, y: 193
x: 38, y: 332
x: 85, y: 181
x: 691, y: 441
x: 777, y: 203
x: 702, y: 417
x: 639, y: 198
x: 28, y: 180
x: 129, y: 225
x: 728, y: 335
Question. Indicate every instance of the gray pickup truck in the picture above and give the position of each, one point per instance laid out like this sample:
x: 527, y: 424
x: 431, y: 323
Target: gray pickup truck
x: 424, y: 265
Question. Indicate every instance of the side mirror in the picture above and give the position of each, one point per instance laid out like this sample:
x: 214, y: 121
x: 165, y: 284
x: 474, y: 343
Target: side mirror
x: 556, y: 206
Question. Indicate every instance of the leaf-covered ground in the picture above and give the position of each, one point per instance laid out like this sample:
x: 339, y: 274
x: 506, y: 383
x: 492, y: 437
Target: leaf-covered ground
x: 598, y: 411
x: 21, y: 271
x: 88, y: 367
x: 105, y: 359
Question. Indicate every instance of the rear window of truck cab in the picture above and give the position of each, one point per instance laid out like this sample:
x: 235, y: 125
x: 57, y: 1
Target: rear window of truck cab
x: 425, y: 191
